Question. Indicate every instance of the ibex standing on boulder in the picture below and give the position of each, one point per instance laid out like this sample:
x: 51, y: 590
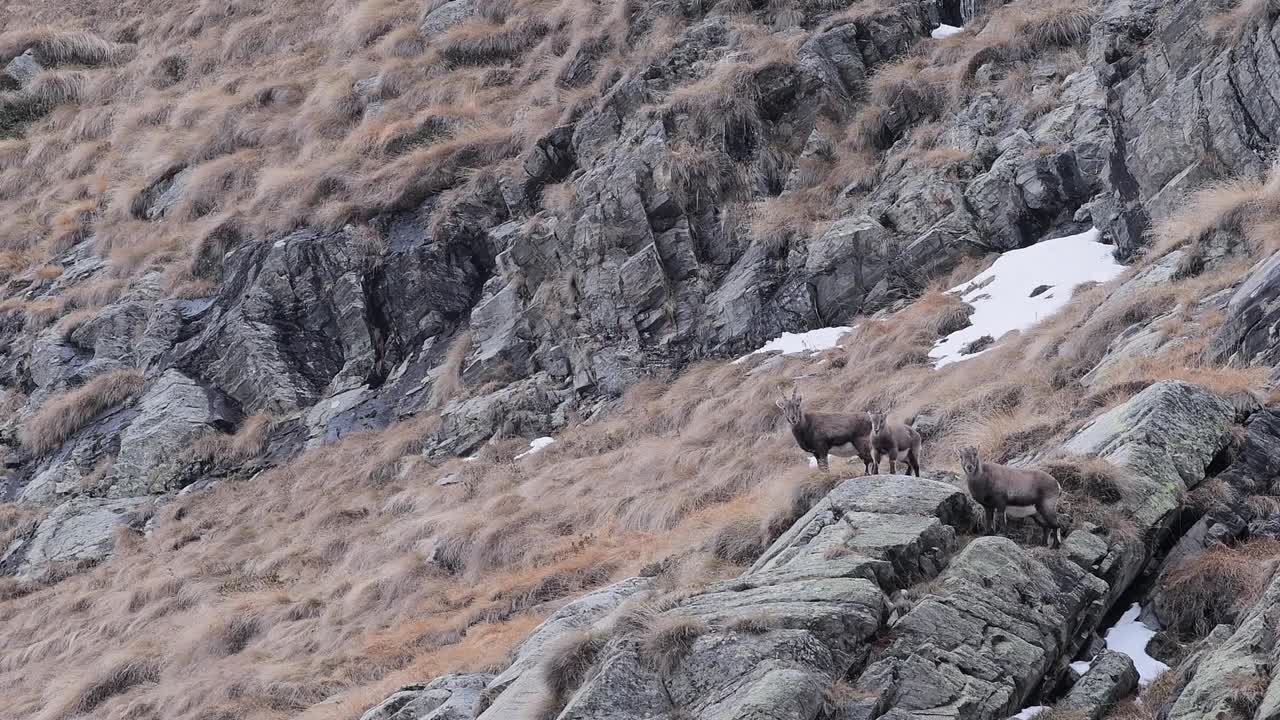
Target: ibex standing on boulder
x: 895, y: 441
x: 828, y: 433
x: 997, y: 488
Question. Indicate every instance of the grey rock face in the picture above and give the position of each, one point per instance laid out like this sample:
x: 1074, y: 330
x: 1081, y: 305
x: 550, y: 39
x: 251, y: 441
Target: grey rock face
x: 1254, y: 471
x: 770, y: 643
x: 884, y: 528
x: 521, y: 408
x: 1253, y: 314
x: 815, y: 627
x: 446, y: 16
x: 174, y: 411
x: 1109, y: 679
x: 1166, y: 435
x: 448, y: 697
x: 78, y: 530
x: 520, y: 689
x: 999, y: 621
x: 20, y: 71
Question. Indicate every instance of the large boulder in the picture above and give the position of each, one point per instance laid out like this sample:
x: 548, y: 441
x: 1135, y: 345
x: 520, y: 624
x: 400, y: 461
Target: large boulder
x: 78, y: 531
x: 1000, y: 620
x: 20, y: 71
x: 1166, y: 437
x: 1111, y: 678
x: 744, y: 652
x: 885, y: 528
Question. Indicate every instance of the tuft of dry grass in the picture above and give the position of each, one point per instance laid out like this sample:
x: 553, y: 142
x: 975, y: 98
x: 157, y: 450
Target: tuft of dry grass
x: 1194, y: 591
x: 62, y: 415
x: 449, y: 383
x: 668, y: 640
x: 115, y: 677
x: 1222, y: 204
x: 741, y: 541
x: 803, y: 494
x: 1154, y: 700
x: 568, y: 663
x: 247, y: 442
x: 1232, y: 24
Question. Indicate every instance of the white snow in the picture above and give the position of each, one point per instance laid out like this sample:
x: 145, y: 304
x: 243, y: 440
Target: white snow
x: 536, y: 446
x: 1028, y: 713
x: 1081, y: 666
x: 943, y: 31
x: 1001, y: 295
x: 1131, y: 637
x: 791, y: 343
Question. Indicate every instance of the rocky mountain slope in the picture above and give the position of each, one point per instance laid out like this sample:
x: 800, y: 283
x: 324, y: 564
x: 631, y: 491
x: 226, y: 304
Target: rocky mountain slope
x: 287, y: 291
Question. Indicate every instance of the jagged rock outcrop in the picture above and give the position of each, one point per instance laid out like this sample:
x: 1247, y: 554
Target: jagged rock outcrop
x: 1167, y: 436
x: 979, y: 644
x: 878, y: 528
x: 771, y: 642
x: 993, y: 627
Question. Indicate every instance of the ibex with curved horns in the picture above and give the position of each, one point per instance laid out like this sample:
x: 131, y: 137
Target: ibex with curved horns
x: 825, y: 434
x: 1025, y: 492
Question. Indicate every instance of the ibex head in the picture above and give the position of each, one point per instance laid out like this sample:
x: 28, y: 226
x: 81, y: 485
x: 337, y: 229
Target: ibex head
x: 970, y: 461
x: 790, y: 406
x: 877, y: 422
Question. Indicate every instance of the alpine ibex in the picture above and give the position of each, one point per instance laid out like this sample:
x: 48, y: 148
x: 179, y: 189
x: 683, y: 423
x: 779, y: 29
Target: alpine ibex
x: 895, y: 441
x: 828, y: 433
x: 997, y: 488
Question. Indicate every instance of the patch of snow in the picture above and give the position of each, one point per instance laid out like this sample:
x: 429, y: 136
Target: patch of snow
x: 1082, y: 666
x: 1028, y: 713
x: 943, y: 31
x: 1129, y: 636
x: 536, y: 446
x: 1001, y: 295
x: 813, y: 341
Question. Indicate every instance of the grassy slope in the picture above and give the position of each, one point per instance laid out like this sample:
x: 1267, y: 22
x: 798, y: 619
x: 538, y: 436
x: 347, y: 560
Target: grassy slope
x: 263, y: 597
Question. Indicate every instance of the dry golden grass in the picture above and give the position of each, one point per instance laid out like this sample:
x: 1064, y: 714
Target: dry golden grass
x: 62, y: 415
x: 264, y: 601
x: 668, y: 639
x: 566, y: 666
x: 1221, y: 204
x: 1153, y: 701
x: 247, y: 442
x: 1232, y: 24
x: 1195, y: 590
x: 348, y: 571
x: 776, y: 220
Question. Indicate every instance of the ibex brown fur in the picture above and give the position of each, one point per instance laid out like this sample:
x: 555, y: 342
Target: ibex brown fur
x: 828, y: 433
x: 998, y: 488
x: 895, y: 441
